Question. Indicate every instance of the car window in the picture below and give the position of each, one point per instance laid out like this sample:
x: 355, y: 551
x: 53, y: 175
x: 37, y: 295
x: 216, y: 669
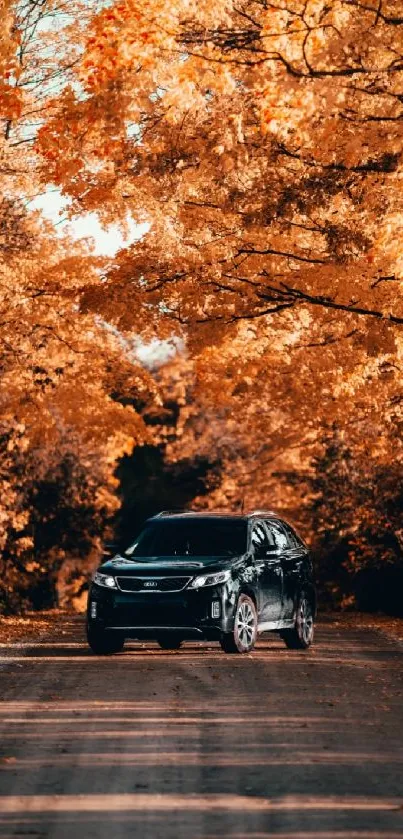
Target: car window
x: 277, y: 536
x: 259, y: 535
x: 197, y: 537
x: 291, y: 537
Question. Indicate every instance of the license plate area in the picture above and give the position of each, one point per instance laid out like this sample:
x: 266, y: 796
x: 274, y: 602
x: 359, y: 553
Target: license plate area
x: 151, y: 610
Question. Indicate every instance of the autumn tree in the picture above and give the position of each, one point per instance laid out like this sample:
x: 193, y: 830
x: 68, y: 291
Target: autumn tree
x: 262, y: 145
x: 62, y: 429
x: 258, y: 211
x: 62, y: 426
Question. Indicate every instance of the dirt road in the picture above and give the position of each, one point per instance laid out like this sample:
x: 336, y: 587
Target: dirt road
x: 197, y: 744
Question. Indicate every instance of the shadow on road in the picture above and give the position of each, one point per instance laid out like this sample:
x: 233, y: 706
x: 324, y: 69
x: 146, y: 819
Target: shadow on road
x: 196, y: 744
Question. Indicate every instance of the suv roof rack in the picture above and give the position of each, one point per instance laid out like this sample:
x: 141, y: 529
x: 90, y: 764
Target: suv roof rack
x: 262, y: 513
x: 180, y: 512
x: 170, y: 512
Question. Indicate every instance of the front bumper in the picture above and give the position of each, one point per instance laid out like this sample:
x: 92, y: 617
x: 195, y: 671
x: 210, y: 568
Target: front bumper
x: 202, y: 613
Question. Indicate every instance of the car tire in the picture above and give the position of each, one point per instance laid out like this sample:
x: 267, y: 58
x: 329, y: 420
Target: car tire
x: 103, y: 642
x: 243, y: 637
x: 170, y: 642
x: 301, y: 637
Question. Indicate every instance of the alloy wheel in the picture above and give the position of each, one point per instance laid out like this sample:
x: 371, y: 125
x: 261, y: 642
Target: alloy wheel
x: 245, y: 624
x: 305, y: 620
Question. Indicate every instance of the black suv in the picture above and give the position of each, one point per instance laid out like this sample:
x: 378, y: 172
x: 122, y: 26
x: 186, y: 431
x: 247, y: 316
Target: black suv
x: 213, y: 576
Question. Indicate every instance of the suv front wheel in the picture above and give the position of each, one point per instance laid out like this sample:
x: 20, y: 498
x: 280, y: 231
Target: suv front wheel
x: 243, y: 637
x: 103, y: 642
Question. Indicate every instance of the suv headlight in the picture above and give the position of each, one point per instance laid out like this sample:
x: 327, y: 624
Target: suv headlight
x: 104, y: 580
x: 210, y: 579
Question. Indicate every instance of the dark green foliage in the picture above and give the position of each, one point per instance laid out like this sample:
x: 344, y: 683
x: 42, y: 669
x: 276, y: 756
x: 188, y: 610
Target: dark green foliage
x: 355, y: 512
x: 149, y: 484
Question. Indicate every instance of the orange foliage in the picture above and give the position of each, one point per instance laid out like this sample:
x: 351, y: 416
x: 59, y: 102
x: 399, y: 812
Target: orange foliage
x: 262, y: 144
x: 10, y: 95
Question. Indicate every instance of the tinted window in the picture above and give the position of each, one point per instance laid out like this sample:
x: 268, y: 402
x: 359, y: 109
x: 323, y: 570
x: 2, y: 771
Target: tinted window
x: 197, y: 537
x: 259, y: 535
x: 291, y: 538
x: 277, y: 535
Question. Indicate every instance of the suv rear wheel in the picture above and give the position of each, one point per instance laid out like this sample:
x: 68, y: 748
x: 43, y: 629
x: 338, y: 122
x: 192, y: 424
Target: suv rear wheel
x: 243, y: 637
x: 301, y: 637
x: 103, y: 642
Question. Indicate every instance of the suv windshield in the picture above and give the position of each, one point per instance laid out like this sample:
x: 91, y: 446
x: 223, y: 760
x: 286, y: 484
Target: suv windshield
x: 198, y: 537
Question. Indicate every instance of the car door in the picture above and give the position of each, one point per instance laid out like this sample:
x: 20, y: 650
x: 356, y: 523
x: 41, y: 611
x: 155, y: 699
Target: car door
x: 293, y: 559
x: 267, y: 561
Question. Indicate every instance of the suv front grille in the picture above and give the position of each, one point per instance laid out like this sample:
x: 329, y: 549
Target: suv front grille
x: 152, y: 584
